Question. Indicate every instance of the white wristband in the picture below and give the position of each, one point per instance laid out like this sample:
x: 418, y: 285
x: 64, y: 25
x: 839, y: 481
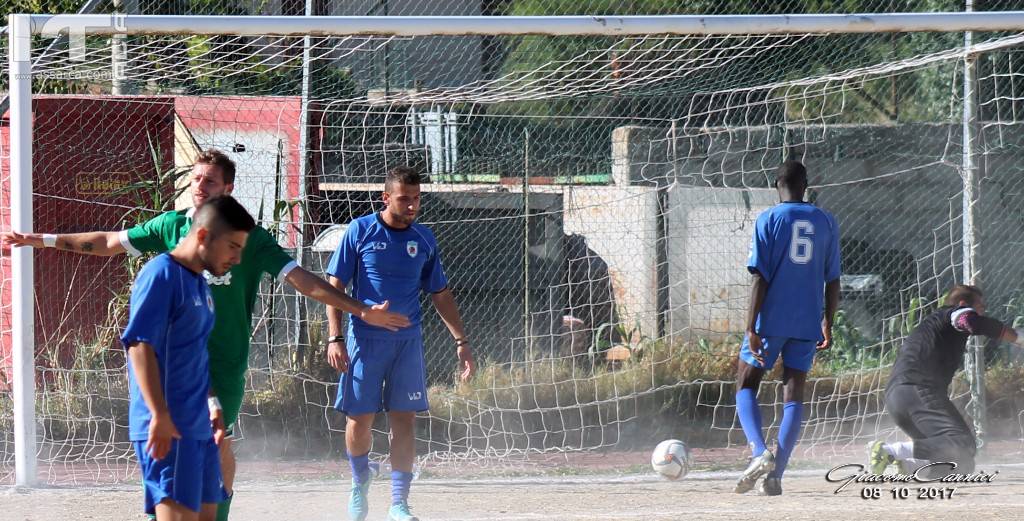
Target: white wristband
x: 1020, y: 336
x: 49, y: 240
x: 214, y: 404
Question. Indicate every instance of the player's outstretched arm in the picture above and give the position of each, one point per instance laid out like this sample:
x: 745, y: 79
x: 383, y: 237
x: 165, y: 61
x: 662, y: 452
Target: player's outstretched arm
x: 102, y: 244
x: 318, y: 289
x: 147, y: 374
x: 974, y: 323
x: 444, y: 303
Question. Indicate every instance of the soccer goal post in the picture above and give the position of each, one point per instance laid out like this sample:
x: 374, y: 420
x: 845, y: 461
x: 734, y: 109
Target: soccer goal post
x: 593, y: 180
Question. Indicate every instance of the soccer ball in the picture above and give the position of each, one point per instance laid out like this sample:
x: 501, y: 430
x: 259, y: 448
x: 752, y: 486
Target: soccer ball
x: 671, y: 459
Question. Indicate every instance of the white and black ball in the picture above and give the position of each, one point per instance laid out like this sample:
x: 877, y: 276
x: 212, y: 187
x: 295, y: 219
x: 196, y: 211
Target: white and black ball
x: 671, y: 459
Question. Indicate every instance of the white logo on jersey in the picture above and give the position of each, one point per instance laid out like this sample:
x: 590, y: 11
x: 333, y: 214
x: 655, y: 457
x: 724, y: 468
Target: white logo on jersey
x: 415, y: 396
x: 224, y: 280
x: 412, y: 248
x: 196, y: 301
x: 209, y: 301
x: 380, y: 246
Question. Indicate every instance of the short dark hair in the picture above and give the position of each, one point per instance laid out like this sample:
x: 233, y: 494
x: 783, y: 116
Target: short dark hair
x: 223, y: 213
x: 212, y: 156
x: 791, y: 173
x: 401, y: 174
x: 968, y: 294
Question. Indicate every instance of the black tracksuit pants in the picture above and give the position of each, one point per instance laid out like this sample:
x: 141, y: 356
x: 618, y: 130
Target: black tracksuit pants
x: 939, y: 431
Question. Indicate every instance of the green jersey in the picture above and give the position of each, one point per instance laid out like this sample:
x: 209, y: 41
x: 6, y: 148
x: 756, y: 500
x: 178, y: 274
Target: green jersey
x: 234, y: 293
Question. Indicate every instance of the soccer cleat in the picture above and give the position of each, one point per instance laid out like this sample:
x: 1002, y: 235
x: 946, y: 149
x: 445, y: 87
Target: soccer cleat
x: 879, y: 459
x: 401, y: 512
x: 758, y: 467
x: 358, y: 505
x: 771, y: 486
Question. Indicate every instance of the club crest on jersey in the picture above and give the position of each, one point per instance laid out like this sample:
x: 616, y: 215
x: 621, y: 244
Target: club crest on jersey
x: 209, y: 301
x: 223, y: 280
x: 412, y: 248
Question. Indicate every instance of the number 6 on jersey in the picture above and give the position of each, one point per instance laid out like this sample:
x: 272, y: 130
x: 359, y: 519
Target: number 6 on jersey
x: 801, y: 247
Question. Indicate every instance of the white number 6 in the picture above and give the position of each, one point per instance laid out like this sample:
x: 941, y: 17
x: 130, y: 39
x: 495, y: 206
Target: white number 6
x: 801, y: 247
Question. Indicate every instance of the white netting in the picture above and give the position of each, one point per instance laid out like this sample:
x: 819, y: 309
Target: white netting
x: 592, y: 197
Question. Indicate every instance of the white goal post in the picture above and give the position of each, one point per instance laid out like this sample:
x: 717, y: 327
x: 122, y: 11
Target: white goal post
x: 23, y: 27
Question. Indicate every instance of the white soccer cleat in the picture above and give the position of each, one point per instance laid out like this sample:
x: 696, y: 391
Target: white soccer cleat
x: 758, y: 467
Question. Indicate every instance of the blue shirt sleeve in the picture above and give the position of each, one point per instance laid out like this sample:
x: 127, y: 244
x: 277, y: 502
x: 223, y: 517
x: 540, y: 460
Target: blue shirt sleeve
x: 760, y: 248
x: 151, y: 304
x: 433, y: 278
x: 343, y: 261
x: 833, y: 263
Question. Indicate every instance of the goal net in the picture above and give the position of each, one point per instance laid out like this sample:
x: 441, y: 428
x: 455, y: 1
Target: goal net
x: 593, y: 198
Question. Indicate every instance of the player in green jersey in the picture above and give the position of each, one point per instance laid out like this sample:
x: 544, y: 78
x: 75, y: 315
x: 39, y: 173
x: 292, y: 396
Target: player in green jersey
x: 234, y: 293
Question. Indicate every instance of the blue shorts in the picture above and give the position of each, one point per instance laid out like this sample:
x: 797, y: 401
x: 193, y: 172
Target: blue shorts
x: 383, y: 375
x: 796, y: 353
x: 188, y: 475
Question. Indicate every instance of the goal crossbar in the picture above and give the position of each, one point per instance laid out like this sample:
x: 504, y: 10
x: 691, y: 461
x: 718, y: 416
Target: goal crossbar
x: 54, y: 25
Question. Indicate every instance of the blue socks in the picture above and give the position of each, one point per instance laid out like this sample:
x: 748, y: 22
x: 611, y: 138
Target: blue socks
x: 750, y: 418
x: 789, y: 433
x: 400, y: 482
x: 360, y: 467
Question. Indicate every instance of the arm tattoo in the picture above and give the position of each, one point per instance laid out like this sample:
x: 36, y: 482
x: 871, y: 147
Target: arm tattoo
x: 87, y: 246
x: 68, y: 245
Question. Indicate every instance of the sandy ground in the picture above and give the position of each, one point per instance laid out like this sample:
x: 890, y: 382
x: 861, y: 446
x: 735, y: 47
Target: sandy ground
x: 701, y: 495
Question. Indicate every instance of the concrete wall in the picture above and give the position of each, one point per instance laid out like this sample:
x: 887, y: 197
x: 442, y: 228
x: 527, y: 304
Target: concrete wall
x: 709, y: 233
x: 619, y: 226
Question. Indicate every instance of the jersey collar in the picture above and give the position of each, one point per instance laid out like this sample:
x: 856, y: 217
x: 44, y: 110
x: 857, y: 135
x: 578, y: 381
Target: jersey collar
x: 380, y: 220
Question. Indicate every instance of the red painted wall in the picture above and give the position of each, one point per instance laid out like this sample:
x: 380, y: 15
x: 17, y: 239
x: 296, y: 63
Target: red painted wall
x: 87, y: 151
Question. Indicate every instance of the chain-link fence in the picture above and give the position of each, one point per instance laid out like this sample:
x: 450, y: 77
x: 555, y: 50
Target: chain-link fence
x: 592, y: 197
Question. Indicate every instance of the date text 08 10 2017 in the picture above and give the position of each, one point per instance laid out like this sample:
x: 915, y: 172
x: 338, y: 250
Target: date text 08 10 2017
x: 908, y: 493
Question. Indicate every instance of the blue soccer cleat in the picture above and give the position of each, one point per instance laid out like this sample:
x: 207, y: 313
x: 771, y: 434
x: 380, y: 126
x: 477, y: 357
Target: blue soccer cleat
x: 401, y: 512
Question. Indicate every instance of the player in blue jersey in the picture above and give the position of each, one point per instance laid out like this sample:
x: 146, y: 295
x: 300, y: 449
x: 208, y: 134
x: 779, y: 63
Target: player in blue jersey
x: 174, y: 423
x: 387, y: 256
x: 794, y: 260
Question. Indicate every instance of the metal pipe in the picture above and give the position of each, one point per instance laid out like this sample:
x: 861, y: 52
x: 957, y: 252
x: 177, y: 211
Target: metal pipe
x: 53, y: 25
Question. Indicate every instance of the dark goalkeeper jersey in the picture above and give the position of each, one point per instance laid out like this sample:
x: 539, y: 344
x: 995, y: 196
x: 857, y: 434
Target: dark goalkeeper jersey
x: 935, y: 349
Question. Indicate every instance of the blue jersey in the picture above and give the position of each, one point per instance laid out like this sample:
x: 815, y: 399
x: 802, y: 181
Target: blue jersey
x: 386, y: 263
x: 172, y: 310
x: 796, y: 249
